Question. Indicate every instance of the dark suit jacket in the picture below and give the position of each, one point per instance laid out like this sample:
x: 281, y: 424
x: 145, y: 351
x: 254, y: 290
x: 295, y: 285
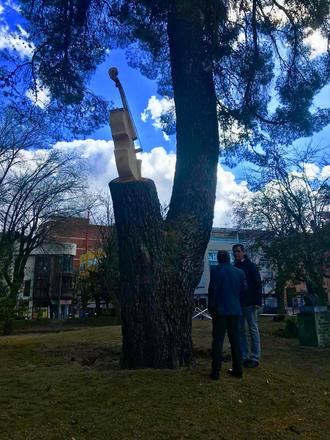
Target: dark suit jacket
x: 226, y: 290
x: 253, y: 279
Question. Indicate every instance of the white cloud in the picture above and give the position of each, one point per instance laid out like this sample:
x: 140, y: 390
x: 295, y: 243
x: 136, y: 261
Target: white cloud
x: 155, y: 109
x: 317, y: 42
x: 16, y: 41
x: 158, y: 165
x: 228, y: 192
x: 27, y: 161
x: 99, y: 155
x: 41, y: 97
x: 311, y: 170
x: 325, y: 173
x: 1, y: 9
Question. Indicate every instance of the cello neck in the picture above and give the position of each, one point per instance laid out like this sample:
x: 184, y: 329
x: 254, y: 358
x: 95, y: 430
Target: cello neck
x: 122, y: 95
x: 113, y: 73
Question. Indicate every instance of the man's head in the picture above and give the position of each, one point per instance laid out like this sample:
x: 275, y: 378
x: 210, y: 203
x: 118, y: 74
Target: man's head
x: 223, y: 257
x: 239, y: 252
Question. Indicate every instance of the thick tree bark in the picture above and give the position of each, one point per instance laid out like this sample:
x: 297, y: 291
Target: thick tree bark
x: 196, y: 117
x: 192, y: 204
x: 154, y: 335
x: 161, y: 261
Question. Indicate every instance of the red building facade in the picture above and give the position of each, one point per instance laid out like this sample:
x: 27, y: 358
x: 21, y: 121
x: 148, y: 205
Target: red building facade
x: 79, y: 231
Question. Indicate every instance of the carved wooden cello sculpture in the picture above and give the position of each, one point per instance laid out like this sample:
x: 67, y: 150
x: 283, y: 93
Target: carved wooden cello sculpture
x: 124, y: 134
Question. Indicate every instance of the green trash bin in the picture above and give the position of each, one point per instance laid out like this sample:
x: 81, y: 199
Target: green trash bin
x: 314, y: 326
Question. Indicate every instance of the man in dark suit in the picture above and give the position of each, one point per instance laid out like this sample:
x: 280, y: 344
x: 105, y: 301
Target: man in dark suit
x: 250, y: 304
x: 226, y: 289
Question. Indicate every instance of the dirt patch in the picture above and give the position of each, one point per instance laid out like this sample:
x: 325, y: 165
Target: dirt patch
x: 85, y: 355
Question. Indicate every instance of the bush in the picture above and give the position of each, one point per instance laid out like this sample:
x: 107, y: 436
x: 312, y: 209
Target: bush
x: 290, y: 329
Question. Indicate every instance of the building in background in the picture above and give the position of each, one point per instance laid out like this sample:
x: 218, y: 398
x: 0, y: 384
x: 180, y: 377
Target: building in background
x: 52, y: 270
x: 89, y: 261
x: 48, y: 286
x: 79, y: 231
x: 74, y: 246
x: 93, y: 290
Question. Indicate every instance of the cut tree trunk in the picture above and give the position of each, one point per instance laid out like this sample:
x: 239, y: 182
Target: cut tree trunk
x: 154, y: 333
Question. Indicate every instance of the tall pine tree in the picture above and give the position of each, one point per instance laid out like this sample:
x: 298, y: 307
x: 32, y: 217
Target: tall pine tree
x: 222, y: 61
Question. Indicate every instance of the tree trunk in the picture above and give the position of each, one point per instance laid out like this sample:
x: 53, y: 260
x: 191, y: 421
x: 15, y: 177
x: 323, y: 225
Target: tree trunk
x: 280, y: 294
x: 97, y: 300
x: 7, y: 327
x: 51, y: 309
x: 8, y: 324
x: 161, y: 262
x: 153, y: 334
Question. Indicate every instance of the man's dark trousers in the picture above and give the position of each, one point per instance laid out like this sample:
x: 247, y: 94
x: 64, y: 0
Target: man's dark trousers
x: 220, y: 325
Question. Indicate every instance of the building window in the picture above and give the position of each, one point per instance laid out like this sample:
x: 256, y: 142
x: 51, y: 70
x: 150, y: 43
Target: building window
x: 66, y: 263
x: 42, y: 263
x: 212, y: 258
x: 27, y: 287
x: 66, y: 284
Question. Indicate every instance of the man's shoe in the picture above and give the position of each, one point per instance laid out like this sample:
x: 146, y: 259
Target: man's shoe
x: 214, y: 376
x: 252, y: 364
x: 233, y: 373
x: 246, y: 363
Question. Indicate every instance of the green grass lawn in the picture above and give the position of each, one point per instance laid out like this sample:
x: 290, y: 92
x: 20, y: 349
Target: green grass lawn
x: 68, y: 386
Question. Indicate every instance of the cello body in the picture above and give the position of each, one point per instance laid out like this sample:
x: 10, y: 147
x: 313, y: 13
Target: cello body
x: 124, y: 134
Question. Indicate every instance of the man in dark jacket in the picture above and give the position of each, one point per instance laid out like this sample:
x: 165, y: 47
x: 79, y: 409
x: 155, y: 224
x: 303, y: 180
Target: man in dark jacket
x: 226, y: 288
x: 250, y: 303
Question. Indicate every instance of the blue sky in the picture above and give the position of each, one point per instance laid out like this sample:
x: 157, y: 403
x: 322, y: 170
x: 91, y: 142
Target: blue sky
x: 138, y: 91
x: 145, y: 105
